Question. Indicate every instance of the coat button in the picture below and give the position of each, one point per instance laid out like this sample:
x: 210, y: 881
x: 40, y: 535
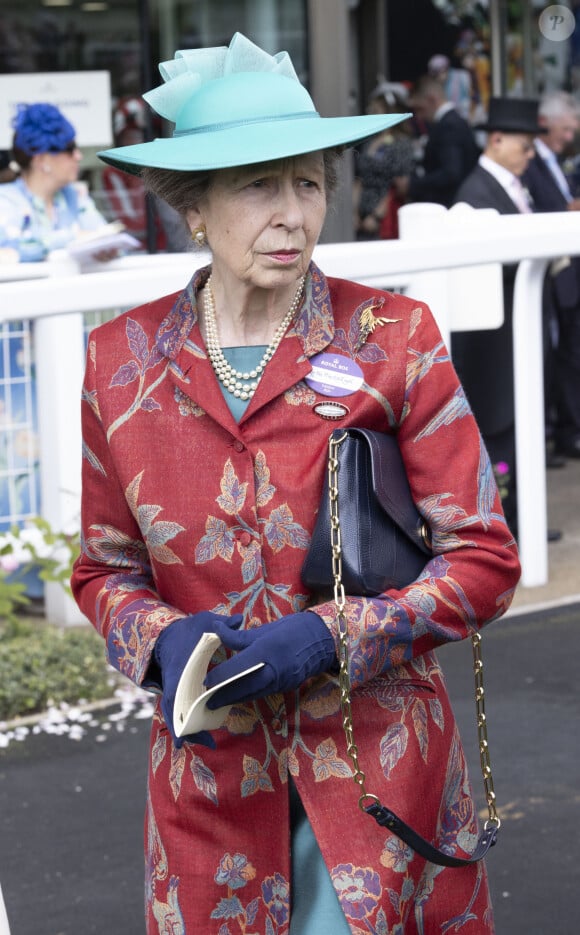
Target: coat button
x: 239, y: 446
x: 244, y: 538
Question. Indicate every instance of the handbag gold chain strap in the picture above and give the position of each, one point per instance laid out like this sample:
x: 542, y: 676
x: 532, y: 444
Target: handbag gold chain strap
x: 367, y: 798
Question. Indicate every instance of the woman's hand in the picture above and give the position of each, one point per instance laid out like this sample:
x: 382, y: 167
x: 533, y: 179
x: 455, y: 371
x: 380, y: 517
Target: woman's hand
x: 293, y: 648
x: 172, y: 651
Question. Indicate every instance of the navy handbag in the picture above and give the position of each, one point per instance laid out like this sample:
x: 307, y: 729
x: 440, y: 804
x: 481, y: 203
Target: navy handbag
x: 385, y: 540
x: 369, y: 538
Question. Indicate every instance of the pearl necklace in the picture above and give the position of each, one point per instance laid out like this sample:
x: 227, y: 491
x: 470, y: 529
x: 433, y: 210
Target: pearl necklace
x: 243, y: 385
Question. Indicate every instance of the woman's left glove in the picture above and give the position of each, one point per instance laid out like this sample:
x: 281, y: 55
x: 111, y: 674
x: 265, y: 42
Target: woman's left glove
x: 171, y: 652
x: 293, y: 648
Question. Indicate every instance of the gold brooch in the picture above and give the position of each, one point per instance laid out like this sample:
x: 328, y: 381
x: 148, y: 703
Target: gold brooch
x: 370, y: 321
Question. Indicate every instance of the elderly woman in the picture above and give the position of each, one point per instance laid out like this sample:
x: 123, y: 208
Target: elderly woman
x: 45, y: 206
x: 206, y: 426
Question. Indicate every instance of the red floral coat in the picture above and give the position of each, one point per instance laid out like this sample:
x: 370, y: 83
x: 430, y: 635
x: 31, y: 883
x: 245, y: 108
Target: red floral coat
x: 185, y: 510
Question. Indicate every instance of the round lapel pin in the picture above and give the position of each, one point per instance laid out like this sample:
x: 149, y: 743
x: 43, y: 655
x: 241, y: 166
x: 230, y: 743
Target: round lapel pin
x: 331, y: 410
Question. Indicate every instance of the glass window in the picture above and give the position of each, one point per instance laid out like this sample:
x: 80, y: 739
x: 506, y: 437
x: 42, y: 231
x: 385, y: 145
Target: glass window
x: 19, y: 481
x: 74, y: 35
x: 274, y: 25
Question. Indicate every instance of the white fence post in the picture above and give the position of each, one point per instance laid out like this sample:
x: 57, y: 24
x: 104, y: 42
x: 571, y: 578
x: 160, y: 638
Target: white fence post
x: 59, y: 354
x: 530, y: 423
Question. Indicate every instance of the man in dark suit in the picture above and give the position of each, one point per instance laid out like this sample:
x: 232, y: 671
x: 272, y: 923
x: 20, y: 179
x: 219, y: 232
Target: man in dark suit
x: 450, y: 151
x: 484, y: 359
x: 558, y: 114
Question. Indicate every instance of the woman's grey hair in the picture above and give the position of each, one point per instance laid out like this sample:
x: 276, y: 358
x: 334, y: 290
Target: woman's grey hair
x: 554, y: 104
x: 184, y: 190
x: 181, y: 190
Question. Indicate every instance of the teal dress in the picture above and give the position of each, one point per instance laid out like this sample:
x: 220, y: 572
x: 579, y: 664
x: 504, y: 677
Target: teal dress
x: 315, y: 906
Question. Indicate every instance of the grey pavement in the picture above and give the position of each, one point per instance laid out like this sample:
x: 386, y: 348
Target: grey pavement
x: 533, y: 712
x: 563, y: 494
x: 71, y: 813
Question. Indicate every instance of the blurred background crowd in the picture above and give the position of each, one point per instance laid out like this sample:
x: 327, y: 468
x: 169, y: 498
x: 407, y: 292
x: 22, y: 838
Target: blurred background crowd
x: 399, y: 55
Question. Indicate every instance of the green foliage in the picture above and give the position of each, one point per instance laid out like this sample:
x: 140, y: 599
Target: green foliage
x: 12, y: 597
x: 37, y: 546
x: 42, y: 665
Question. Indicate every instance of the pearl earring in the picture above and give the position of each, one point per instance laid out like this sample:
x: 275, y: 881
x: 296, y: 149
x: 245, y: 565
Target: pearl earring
x: 199, y: 237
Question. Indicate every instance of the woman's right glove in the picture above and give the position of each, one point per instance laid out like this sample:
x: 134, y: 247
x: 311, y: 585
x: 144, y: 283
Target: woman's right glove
x: 172, y: 650
x: 293, y: 648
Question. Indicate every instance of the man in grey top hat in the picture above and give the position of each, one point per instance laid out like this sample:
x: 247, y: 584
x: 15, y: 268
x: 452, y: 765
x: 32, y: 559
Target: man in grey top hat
x: 484, y: 359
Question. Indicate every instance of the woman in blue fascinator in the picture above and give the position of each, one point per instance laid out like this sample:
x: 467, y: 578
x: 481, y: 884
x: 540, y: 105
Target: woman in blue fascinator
x: 206, y: 417
x: 45, y: 206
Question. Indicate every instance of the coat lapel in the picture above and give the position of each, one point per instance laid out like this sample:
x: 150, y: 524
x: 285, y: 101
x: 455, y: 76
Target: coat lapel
x: 179, y: 338
x: 498, y: 194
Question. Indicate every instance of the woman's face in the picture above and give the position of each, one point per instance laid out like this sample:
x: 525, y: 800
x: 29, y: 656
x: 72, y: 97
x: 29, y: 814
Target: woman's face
x: 263, y: 221
x: 63, y: 167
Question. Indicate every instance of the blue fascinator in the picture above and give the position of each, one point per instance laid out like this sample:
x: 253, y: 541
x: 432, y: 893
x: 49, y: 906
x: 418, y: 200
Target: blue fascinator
x: 234, y: 106
x: 41, y: 128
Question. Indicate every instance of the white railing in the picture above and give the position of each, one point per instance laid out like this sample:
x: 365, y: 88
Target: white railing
x: 449, y: 259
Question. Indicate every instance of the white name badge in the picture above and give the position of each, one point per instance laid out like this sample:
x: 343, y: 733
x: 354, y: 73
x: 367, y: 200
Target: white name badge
x: 334, y: 375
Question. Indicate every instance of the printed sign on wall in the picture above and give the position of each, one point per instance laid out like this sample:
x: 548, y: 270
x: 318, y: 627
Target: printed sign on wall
x: 83, y: 96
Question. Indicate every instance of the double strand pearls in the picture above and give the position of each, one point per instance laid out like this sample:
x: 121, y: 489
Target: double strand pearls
x: 241, y: 385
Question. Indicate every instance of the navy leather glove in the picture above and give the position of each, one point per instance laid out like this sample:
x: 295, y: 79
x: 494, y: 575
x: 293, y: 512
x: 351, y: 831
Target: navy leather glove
x: 293, y: 648
x: 171, y: 652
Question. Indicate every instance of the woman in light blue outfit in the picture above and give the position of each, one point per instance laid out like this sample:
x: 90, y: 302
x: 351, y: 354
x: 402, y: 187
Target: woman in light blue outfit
x: 46, y: 207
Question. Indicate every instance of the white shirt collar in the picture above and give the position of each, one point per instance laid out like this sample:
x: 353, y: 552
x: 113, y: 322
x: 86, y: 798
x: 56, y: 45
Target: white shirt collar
x: 551, y: 160
x: 547, y: 154
x: 500, y: 173
x: 509, y: 182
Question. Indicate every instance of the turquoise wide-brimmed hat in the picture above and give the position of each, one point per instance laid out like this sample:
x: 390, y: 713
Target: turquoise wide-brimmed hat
x: 237, y: 105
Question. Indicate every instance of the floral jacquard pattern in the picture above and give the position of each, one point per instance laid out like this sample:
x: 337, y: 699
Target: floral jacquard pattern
x: 155, y: 534
x: 186, y: 406
x: 355, y: 343
x: 300, y: 395
x: 446, y: 519
x: 319, y: 701
x: 167, y: 912
x: 359, y: 891
x: 234, y: 872
x: 185, y: 511
x: 91, y: 457
x: 398, y: 856
x: 422, y: 362
x: 117, y: 548
x: 279, y: 531
x: 144, y: 359
x: 416, y: 707
x: 456, y: 817
x: 314, y: 325
x: 456, y: 408
x: 176, y: 326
